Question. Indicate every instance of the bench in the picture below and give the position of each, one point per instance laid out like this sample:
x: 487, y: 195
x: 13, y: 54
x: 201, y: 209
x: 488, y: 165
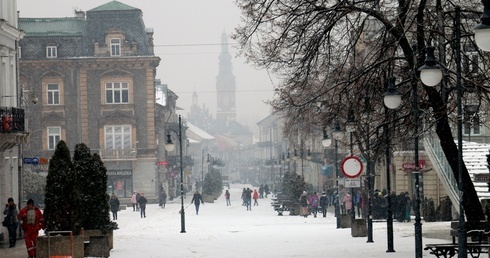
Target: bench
x: 282, y: 203
x: 475, y: 231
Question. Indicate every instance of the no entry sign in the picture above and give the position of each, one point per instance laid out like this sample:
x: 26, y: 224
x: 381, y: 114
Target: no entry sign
x: 351, y: 167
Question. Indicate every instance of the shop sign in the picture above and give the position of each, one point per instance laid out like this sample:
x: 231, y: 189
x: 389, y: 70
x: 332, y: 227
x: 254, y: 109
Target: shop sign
x: 119, y: 173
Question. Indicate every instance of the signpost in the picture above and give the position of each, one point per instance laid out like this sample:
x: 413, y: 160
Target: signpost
x: 352, y: 167
x: 31, y: 161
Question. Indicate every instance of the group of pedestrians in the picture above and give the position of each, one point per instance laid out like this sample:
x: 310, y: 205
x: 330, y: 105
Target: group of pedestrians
x: 31, y: 221
x: 247, y: 196
x: 139, y: 203
x: 318, y: 204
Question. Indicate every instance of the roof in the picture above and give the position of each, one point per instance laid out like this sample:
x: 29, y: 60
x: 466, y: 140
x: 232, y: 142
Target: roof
x: 69, y: 26
x: 113, y: 6
x: 198, y: 131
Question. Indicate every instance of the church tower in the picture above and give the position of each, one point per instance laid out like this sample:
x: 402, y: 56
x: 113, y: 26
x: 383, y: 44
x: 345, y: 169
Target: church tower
x: 225, y: 88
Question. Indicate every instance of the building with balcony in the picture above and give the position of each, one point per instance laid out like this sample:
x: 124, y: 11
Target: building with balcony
x: 95, y: 75
x: 12, y: 127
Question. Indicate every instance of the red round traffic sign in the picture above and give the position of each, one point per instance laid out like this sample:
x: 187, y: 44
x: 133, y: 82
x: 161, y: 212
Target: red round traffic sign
x: 351, y: 167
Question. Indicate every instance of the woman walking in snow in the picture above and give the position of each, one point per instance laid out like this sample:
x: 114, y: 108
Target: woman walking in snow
x: 227, y: 197
x: 303, y: 200
x: 256, y: 197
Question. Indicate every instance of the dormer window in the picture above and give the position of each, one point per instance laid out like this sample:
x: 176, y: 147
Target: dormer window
x: 51, y: 51
x: 115, y: 47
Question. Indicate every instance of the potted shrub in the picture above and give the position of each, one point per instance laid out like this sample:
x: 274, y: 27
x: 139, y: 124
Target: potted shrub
x: 76, y: 200
x: 92, y: 189
x: 60, y: 200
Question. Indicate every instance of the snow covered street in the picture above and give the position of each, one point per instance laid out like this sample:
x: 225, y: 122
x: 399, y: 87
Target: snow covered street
x: 232, y: 231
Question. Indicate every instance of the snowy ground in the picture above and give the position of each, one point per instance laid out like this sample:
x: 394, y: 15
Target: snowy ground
x: 232, y: 231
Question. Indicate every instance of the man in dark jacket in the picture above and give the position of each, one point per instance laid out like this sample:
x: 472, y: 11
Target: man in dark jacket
x: 197, y: 200
x: 142, y: 202
x: 323, y: 204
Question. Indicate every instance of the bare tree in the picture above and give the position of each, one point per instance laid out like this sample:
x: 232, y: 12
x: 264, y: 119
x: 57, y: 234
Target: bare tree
x: 336, y: 55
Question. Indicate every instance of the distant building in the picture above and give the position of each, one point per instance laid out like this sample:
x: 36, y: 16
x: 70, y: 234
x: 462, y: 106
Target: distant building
x: 232, y: 139
x: 95, y: 75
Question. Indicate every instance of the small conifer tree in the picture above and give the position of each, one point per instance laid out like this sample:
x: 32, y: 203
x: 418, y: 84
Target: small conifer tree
x: 92, y: 187
x: 60, y: 193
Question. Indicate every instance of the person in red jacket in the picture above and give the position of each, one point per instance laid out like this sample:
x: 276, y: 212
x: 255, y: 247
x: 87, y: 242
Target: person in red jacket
x: 256, y: 197
x: 32, y: 221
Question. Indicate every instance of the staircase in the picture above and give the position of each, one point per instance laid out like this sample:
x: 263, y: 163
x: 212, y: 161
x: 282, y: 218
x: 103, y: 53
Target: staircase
x: 474, y: 156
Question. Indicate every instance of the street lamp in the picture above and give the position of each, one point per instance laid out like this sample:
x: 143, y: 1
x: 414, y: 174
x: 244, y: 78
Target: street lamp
x: 392, y: 100
x: 482, y: 30
x: 326, y: 142
x: 350, y: 127
x: 435, y: 77
x: 337, y: 135
x: 169, y: 146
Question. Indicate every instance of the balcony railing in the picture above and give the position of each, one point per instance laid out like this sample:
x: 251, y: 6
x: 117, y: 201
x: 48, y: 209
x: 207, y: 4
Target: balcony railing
x: 117, y: 154
x: 11, y: 120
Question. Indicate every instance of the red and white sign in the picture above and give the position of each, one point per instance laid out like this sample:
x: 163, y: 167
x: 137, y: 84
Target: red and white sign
x: 162, y: 163
x: 352, y: 166
x: 407, y: 167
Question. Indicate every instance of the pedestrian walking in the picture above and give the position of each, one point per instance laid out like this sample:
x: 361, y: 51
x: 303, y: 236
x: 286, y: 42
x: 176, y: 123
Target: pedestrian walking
x: 261, y: 191
x: 227, y: 197
x: 248, y: 198
x: 266, y: 190
x: 163, y: 198
x: 348, y: 202
x: 138, y: 195
x: 142, y: 203
x: 323, y: 204
x: 314, y: 201
x: 10, y: 221
x: 32, y: 221
x: 197, y: 200
x: 134, y: 201
x: 244, y: 197
x: 256, y: 197
x: 114, y: 203
x: 304, y: 202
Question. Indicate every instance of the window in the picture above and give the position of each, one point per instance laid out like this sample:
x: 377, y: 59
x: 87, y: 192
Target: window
x: 115, y: 46
x: 53, y: 90
x: 118, y: 137
x: 19, y: 52
x: 472, y: 124
x: 116, y: 92
x: 51, y: 52
x: 54, y: 136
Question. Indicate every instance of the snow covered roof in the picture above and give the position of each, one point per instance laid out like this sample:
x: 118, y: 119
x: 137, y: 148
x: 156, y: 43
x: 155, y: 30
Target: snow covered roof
x: 198, y: 131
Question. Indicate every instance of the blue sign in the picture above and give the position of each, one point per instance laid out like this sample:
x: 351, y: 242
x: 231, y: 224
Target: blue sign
x: 32, y: 161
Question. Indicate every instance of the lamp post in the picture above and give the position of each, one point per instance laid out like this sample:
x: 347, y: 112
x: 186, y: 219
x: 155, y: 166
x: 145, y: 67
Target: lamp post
x: 350, y: 127
x: 392, y: 100
x: 431, y: 75
x: 367, y: 111
x: 326, y: 142
x: 169, y: 146
x: 337, y: 135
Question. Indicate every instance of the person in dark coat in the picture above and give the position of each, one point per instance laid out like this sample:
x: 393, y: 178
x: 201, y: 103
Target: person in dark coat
x: 323, y: 204
x: 303, y: 200
x: 163, y: 198
x: 11, y: 214
x: 197, y: 200
x: 142, y: 203
x: 114, y: 203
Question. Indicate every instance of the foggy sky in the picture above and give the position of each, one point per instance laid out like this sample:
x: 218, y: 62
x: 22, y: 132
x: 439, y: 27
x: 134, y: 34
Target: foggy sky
x: 187, y: 37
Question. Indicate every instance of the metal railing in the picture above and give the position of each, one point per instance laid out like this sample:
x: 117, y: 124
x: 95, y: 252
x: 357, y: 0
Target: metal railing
x: 443, y: 169
x: 118, y: 153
